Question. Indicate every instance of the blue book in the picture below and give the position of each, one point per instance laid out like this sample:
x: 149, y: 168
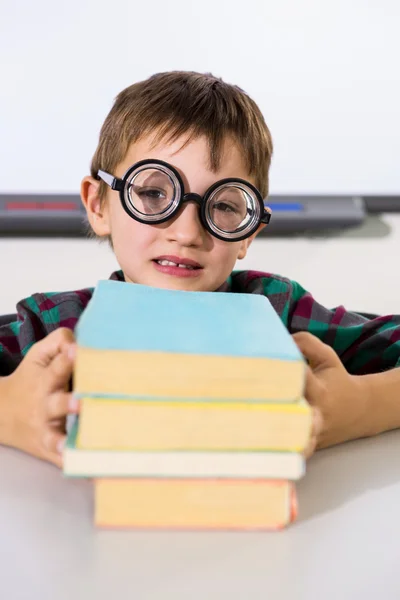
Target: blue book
x: 145, y: 342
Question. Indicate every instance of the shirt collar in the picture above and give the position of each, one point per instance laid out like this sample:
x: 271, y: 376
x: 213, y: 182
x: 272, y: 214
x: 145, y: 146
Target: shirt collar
x: 117, y: 276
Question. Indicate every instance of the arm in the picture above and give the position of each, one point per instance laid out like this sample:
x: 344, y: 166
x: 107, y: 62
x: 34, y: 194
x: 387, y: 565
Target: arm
x: 352, y: 376
x: 352, y: 406
x: 382, y: 392
x: 16, y: 337
x: 38, y: 316
x: 363, y: 345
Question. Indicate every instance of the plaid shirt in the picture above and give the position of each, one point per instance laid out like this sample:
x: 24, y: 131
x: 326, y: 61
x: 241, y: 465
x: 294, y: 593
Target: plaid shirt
x: 364, y: 345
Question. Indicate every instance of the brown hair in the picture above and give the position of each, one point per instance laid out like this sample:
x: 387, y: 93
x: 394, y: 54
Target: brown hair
x: 178, y: 103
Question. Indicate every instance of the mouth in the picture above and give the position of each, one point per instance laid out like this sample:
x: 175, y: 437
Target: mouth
x: 175, y: 265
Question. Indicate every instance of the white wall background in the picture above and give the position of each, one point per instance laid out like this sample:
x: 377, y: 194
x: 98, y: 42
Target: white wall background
x: 325, y: 74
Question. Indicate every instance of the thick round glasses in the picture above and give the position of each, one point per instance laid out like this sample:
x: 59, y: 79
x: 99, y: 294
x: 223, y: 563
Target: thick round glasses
x: 152, y: 191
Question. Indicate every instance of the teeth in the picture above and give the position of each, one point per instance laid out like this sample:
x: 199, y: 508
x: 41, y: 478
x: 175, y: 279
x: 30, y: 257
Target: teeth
x: 168, y: 263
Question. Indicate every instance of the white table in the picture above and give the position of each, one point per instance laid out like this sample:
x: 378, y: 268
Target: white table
x: 345, y: 546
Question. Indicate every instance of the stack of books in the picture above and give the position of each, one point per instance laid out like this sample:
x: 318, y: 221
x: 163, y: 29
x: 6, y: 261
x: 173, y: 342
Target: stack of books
x: 191, y: 410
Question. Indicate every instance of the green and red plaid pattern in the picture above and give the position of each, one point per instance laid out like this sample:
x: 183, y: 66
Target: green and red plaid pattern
x: 364, y: 345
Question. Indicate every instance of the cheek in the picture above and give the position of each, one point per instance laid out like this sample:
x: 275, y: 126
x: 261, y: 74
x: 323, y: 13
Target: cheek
x: 226, y: 252
x: 130, y: 235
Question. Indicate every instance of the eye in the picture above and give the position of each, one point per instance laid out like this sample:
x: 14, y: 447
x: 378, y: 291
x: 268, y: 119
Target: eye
x: 151, y: 193
x: 225, y: 207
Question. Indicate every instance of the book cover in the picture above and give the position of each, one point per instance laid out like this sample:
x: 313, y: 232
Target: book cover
x: 148, y: 319
x: 135, y: 340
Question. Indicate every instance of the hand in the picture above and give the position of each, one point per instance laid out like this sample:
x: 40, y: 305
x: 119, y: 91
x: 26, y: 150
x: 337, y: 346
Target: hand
x: 333, y: 391
x: 35, y: 398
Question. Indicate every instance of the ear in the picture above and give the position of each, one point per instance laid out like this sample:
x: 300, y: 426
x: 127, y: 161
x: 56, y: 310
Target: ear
x: 96, y: 209
x: 246, y: 243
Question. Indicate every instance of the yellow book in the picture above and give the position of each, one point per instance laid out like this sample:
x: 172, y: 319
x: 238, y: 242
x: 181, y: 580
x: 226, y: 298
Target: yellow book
x: 194, y: 504
x: 148, y: 425
x: 179, y: 464
x: 173, y: 375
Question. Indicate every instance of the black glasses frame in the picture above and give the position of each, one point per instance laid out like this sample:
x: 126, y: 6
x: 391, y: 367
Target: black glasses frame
x: 122, y: 185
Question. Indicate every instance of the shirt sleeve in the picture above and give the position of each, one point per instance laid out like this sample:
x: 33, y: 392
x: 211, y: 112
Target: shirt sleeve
x: 37, y: 316
x: 363, y: 345
x: 19, y: 335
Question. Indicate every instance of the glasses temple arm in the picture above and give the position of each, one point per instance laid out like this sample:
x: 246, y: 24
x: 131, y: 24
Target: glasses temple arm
x: 113, y: 182
x: 266, y: 216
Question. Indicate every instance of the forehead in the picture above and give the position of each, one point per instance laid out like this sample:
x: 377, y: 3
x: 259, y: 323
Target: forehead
x: 191, y: 159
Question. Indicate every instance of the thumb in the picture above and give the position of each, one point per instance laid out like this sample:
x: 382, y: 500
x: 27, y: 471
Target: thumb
x: 59, y: 371
x: 43, y: 352
x: 318, y: 354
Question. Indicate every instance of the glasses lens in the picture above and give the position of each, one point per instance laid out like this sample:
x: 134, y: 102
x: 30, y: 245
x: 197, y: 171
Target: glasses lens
x: 231, y: 208
x: 151, y: 191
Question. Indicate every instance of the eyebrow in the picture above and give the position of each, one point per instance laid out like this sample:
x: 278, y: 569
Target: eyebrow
x: 154, y: 178
x: 234, y: 194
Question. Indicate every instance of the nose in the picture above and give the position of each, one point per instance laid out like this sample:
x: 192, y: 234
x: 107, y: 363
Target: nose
x: 186, y: 227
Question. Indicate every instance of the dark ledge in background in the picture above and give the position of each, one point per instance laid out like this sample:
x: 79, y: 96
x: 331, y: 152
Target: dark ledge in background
x: 55, y: 215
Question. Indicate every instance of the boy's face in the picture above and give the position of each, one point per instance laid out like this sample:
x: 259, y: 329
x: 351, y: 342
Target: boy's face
x: 142, y: 250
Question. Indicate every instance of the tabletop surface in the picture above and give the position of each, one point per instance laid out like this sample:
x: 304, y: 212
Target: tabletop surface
x: 346, y: 543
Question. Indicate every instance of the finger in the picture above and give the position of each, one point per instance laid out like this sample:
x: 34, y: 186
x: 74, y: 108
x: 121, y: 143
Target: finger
x: 61, y: 404
x: 313, y: 389
x: 53, y: 445
x: 44, y: 351
x: 311, y: 447
x: 316, y: 428
x: 316, y: 352
x: 59, y: 372
x: 317, y: 422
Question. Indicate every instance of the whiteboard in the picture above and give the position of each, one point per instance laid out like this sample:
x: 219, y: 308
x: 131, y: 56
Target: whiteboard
x: 325, y: 74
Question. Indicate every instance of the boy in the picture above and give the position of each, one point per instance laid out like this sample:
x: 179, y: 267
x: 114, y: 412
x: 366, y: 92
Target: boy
x: 176, y: 185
